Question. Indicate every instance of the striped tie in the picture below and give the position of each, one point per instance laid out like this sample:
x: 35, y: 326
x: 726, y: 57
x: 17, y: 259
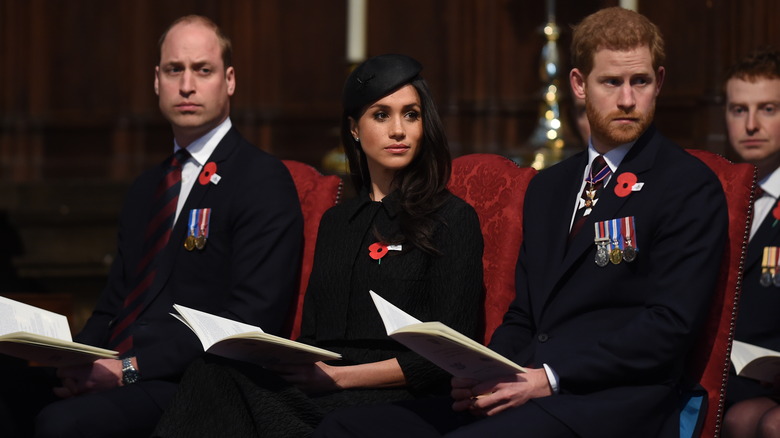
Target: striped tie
x: 158, y: 232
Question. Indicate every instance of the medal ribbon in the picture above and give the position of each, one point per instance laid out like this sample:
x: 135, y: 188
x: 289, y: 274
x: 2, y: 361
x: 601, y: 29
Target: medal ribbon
x: 192, y: 223
x: 775, y: 263
x: 204, y: 220
x: 629, y: 230
x: 616, y: 240
x: 593, y: 179
x: 599, y: 226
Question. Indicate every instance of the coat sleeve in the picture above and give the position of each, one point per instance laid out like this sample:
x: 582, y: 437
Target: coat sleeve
x: 455, y: 289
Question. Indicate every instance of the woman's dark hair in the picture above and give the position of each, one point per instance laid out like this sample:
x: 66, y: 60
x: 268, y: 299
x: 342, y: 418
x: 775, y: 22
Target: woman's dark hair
x: 422, y: 185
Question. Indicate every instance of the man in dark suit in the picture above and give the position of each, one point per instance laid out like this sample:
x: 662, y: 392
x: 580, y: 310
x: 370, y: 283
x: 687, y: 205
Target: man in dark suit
x: 217, y: 228
x: 753, y: 121
x: 615, y: 275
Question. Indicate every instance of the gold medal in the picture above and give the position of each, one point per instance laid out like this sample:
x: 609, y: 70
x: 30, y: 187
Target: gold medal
x: 616, y: 256
x: 189, y: 243
x: 200, y: 241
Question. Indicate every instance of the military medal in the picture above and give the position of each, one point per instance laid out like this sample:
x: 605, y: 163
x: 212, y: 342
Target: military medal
x: 602, y: 255
x: 776, y: 277
x: 629, y: 250
x: 590, y: 193
x: 616, y: 253
x: 192, y: 226
x: 197, y: 229
x: 768, y: 266
x: 592, y: 180
x: 204, y: 218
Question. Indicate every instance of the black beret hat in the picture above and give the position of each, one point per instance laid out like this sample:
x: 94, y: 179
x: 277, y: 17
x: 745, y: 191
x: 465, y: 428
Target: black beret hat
x: 377, y: 77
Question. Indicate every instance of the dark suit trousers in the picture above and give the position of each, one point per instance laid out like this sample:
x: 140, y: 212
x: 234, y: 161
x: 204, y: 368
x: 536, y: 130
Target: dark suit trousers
x: 126, y: 411
x: 26, y: 393
x: 428, y: 418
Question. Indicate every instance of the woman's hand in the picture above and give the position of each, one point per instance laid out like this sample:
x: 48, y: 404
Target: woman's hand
x: 321, y: 377
x: 310, y: 378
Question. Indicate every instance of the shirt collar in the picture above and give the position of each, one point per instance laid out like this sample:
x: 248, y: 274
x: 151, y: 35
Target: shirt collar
x: 614, y: 157
x: 390, y: 203
x: 771, y: 183
x: 202, y: 148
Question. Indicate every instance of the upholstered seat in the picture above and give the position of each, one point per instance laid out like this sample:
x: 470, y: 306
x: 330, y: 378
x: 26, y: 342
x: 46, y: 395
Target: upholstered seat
x: 495, y: 186
x: 709, y: 362
x: 317, y: 193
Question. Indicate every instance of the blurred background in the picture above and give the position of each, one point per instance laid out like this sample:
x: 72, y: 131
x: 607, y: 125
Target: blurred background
x: 79, y: 117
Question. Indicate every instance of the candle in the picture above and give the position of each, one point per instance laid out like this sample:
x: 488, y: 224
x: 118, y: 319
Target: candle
x: 629, y: 4
x: 356, y: 31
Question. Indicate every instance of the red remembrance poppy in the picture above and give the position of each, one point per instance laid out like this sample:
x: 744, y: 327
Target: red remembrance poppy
x: 208, y: 170
x: 625, y: 183
x: 377, y: 250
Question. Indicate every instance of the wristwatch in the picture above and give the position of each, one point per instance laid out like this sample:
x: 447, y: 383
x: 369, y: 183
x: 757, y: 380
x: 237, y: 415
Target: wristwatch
x: 129, y: 373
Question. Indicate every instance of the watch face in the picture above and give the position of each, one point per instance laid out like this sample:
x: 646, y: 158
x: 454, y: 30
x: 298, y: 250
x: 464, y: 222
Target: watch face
x: 129, y: 373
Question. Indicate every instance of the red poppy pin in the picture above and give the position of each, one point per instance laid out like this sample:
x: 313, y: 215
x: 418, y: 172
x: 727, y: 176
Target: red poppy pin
x: 209, y: 174
x: 776, y: 213
x: 625, y: 184
x: 377, y: 250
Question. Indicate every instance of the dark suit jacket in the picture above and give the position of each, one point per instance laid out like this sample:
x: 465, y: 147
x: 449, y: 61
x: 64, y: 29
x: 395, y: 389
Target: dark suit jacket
x: 246, y: 271
x: 617, y: 336
x: 757, y: 321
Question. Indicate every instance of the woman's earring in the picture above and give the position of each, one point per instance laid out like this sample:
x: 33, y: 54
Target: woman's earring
x: 357, y: 139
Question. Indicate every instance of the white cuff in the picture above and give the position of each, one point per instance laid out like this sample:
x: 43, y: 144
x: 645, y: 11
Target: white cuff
x: 552, y: 377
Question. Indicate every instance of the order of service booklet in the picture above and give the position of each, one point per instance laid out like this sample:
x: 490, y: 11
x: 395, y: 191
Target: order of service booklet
x: 755, y: 362
x: 452, y: 351
x: 236, y: 340
x: 42, y: 337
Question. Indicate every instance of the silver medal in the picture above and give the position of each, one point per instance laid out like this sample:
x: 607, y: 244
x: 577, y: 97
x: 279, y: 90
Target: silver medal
x: 602, y: 255
x: 629, y: 254
x: 766, y: 279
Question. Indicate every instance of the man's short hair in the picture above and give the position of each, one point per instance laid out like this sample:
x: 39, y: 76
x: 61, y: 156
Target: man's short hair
x: 224, y: 41
x: 614, y: 28
x: 762, y: 63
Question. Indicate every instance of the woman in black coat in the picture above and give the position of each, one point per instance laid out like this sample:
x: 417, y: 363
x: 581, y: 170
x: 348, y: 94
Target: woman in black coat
x: 405, y: 236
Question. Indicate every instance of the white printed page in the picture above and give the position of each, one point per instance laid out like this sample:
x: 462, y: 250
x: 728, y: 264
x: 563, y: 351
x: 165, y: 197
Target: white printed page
x: 20, y: 317
x: 212, y: 328
x: 393, y: 317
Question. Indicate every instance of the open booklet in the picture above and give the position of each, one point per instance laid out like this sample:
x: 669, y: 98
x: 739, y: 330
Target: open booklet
x: 42, y: 337
x: 236, y: 340
x: 755, y: 362
x: 452, y: 351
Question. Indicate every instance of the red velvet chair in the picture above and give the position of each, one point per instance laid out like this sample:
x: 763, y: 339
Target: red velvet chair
x: 709, y: 362
x: 495, y: 186
x: 317, y: 193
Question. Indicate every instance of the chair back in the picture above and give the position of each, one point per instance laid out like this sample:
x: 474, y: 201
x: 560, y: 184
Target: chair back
x: 316, y: 193
x: 495, y: 186
x: 709, y: 363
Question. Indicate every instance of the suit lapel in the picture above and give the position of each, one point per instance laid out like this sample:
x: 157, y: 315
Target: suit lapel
x: 565, y: 192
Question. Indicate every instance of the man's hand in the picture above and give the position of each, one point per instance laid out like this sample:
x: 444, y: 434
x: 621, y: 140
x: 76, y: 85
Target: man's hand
x: 98, y: 376
x: 491, y: 397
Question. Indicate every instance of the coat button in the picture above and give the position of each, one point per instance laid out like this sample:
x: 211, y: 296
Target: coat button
x: 542, y: 337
